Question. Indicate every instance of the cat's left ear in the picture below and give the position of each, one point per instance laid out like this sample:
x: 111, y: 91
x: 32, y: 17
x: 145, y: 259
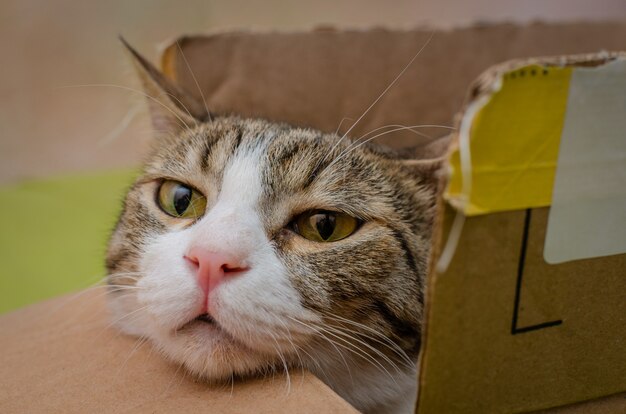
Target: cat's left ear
x: 172, y: 109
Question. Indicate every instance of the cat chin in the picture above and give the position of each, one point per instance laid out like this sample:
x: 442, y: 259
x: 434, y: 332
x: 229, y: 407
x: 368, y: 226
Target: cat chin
x: 210, y: 353
x: 204, y: 349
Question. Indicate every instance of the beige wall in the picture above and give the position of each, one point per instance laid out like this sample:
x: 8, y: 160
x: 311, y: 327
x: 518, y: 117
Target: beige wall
x: 406, y: 13
x: 47, y: 45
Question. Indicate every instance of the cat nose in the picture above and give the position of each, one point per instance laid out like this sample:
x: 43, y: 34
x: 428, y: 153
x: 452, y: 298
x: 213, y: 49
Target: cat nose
x: 212, y: 267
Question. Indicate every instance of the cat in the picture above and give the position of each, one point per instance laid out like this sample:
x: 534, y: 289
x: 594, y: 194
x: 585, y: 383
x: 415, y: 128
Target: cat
x: 247, y: 247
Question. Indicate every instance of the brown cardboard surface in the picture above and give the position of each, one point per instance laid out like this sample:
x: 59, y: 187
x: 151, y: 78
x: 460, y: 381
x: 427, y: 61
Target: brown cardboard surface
x: 566, y: 343
x: 607, y: 405
x: 62, y: 356
x: 319, y: 78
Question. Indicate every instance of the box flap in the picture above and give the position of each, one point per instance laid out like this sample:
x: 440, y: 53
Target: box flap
x: 326, y: 79
x: 513, y: 123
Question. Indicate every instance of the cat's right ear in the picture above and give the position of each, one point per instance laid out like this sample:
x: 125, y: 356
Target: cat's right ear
x: 172, y: 109
x: 429, y: 162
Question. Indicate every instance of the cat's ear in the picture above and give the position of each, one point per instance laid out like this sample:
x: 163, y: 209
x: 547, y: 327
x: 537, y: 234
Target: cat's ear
x: 171, y: 108
x: 431, y: 172
x: 429, y: 162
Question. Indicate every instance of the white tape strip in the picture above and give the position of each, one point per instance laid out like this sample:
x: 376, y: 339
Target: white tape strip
x: 466, y: 185
x: 588, y: 214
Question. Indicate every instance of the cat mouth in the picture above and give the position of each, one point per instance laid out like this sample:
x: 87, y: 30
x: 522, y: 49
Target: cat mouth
x: 205, y: 318
x: 202, y: 319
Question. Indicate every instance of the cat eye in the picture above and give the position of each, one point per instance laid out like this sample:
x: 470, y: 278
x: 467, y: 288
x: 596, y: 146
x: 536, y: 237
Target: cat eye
x: 181, y: 201
x: 325, y: 226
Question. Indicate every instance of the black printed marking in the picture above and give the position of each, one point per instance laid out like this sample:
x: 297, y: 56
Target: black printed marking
x: 518, y: 287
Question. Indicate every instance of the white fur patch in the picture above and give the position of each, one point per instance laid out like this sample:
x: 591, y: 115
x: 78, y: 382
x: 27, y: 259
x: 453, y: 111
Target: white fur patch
x: 255, y: 307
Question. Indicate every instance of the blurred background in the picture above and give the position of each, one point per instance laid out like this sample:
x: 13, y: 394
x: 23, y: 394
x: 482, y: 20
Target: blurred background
x: 71, y: 134
x: 46, y: 128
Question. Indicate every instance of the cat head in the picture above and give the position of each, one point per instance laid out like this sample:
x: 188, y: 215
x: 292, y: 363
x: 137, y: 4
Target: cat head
x: 247, y: 246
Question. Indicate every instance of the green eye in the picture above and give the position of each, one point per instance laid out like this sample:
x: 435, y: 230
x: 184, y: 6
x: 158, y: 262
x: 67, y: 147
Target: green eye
x: 325, y: 226
x: 179, y: 200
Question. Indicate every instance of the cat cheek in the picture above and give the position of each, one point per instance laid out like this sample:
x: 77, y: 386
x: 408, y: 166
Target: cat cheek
x: 125, y: 314
x: 259, y: 306
x: 168, y: 291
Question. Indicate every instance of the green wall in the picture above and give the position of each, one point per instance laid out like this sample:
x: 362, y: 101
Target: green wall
x: 53, y: 234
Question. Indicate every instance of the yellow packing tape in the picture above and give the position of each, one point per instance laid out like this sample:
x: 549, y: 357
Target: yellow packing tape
x: 514, y: 143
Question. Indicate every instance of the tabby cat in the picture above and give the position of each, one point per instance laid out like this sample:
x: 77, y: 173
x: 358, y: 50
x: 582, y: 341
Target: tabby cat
x: 248, y: 247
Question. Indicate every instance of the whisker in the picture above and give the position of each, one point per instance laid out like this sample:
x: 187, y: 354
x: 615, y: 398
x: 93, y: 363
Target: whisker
x: 345, y: 118
x: 376, y: 351
x: 142, y: 340
x: 284, y: 361
x: 124, y: 317
x: 393, y: 82
x: 78, y: 295
x: 126, y: 88
x: 232, y: 384
x: 387, y: 341
x: 406, y: 361
x: 208, y: 113
x: 122, y: 288
x: 317, y: 364
x: 125, y: 274
x: 331, y: 342
x: 102, y: 330
x: 354, y: 147
x: 410, y: 129
x: 122, y: 125
x: 169, y: 385
x: 290, y: 339
x: 359, y: 352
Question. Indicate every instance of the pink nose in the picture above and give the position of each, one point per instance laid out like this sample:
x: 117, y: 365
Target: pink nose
x: 211, y: 267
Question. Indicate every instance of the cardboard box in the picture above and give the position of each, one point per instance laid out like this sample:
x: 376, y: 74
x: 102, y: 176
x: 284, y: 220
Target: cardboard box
x: 505, y: 332
x: 530, y: 311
